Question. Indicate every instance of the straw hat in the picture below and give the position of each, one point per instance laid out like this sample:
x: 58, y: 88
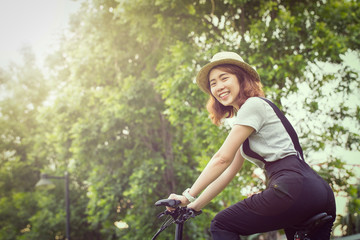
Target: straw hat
x: 220, y: 59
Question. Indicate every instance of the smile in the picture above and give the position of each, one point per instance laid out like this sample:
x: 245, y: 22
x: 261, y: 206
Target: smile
x: 224, y: 94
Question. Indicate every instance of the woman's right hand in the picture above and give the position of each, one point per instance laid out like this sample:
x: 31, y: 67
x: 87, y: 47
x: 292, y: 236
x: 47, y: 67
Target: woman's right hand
x: 193, y: 206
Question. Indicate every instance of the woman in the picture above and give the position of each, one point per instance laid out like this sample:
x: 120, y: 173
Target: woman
x: 295, y: 192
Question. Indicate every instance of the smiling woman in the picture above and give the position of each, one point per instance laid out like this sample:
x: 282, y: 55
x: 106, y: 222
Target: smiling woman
x: 35, y: 23
x: 231, y: 83
x: 262, y: 135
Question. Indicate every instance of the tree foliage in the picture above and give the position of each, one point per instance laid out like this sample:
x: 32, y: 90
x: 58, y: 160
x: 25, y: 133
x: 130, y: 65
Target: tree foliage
x: 120, y: 111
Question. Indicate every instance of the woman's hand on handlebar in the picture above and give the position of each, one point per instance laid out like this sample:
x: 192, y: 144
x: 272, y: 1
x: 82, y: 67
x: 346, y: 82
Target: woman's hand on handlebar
x: 184, y: 201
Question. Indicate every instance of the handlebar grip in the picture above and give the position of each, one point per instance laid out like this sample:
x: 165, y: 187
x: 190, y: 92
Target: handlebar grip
x: 168, y: 203
x: 197, y: 212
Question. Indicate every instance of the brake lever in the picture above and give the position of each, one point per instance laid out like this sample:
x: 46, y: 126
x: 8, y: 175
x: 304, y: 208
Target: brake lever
x: 194, y: 213
x: 164, y: 213
x: 160, y: 215
x: 187, y: 213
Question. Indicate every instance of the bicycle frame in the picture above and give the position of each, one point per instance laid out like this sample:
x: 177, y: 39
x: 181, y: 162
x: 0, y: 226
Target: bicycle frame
x: 179, y: 231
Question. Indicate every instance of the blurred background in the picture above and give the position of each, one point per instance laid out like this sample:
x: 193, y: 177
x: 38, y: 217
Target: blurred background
x: 100, y: 96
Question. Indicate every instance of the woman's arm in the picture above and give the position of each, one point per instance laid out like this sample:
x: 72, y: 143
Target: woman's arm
x: 219, y: 184
x: 217, y: 165
x: 222, y: 159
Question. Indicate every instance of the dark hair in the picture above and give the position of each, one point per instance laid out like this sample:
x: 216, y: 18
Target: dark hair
x: 249, y: 87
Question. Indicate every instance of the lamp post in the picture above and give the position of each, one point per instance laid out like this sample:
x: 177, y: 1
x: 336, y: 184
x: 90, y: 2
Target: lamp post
x: 45, y: 182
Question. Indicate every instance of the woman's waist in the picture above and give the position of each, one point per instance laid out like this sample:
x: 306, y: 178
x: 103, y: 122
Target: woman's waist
x: 290, y: 163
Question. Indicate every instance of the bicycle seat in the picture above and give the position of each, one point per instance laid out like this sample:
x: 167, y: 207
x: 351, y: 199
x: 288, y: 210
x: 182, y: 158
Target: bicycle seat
x: 314, y: 222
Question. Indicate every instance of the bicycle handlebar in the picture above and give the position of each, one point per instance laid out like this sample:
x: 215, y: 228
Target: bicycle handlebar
x: 168, y: 203
x: 179, y: 214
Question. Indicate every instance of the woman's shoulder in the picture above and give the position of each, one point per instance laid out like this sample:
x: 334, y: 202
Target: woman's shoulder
x: 253, y: 105
x: 254, y: 101
x: 252, y: 113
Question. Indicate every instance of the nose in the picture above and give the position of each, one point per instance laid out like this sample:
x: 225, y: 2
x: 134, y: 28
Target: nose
x: 219, y: 86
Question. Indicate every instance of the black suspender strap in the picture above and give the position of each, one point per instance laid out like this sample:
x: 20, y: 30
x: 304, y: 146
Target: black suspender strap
x: 247, y: 150
x: 289, y: 128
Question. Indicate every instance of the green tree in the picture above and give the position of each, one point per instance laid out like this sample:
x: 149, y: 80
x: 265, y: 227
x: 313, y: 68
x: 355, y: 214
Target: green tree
x: 350, y: 223
x: 127, y: 121
x: 23, y: 90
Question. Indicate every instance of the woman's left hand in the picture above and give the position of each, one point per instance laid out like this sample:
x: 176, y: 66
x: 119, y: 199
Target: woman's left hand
x: 184, y: 201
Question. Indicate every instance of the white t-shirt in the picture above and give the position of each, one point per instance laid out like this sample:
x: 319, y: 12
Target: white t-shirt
x: 270, y: 138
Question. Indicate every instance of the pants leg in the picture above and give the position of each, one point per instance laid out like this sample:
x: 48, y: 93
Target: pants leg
x: 224, y: 235
x: 291, y: 198
x: 240, y: 220
x: 236, y: 220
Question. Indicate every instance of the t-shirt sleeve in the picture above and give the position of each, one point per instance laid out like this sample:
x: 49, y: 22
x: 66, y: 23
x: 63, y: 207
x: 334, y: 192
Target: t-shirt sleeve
x: 252, y: 113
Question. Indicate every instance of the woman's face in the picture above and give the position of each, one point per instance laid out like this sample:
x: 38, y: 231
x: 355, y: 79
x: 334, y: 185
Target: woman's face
x: 225, y: 87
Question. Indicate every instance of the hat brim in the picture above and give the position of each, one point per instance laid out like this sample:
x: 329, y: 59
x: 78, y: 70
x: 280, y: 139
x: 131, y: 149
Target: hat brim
x: 202, y: 76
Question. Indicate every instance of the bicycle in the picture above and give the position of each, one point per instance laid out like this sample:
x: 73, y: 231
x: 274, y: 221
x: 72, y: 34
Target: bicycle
x: 179, y: 216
